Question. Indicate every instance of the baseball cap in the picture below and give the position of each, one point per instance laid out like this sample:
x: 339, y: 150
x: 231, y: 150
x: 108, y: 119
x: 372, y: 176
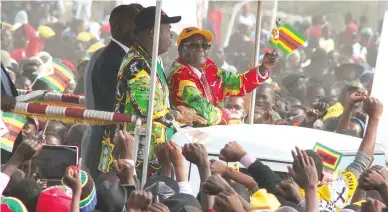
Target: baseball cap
x: 55, y: 198
x: 262, y: 198
x: 161, y: 186
x: 183, y: 203
x: 189, y: 31
x: 146, y: 19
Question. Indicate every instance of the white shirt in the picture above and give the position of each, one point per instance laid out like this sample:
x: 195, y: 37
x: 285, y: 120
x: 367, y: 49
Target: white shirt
x: 249, y: 20
x: 124, y: 47
x: 359, y: 51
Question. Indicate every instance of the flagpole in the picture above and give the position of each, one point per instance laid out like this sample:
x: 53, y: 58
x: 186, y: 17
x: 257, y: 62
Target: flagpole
x: 152, y: 92
x: 256, y: 58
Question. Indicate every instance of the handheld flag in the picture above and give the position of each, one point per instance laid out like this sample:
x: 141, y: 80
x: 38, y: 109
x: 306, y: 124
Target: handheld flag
x: 330, y: 157
x: 59, y: 77
x: 5, y: 25
x: 286, y: 38
x: 10, y: 127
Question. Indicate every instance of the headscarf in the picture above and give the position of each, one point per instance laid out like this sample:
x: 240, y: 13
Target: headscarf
x: 20, y: 19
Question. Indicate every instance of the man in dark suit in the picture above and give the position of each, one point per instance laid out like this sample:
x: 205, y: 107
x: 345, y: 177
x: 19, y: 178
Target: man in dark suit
x: 103, y: 77
x: 8, y: 101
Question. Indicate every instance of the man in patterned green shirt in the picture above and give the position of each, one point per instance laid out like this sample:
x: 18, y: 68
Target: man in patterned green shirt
x: 133, y: 90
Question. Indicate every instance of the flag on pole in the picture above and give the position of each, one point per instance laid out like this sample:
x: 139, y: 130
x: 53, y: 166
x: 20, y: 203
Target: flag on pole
x: 10, y: 127
x: 59, y: 77
x: 286, y: 38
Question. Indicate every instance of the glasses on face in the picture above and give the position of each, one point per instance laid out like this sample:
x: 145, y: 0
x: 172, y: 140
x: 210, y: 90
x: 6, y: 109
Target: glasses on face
x: 198, y: 46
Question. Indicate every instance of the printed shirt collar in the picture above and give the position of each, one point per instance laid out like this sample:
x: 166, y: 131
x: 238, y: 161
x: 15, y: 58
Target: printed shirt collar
x: 196, y: 71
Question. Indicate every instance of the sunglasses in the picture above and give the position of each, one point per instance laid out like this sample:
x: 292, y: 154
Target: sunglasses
x: 204, y: 46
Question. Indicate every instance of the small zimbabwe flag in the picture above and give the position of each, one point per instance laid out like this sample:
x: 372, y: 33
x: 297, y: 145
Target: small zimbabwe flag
x: 5, y: 25
x: 10, y: 127
x: 59, y: 77
x: 286, y: 38
x: 330, y: 157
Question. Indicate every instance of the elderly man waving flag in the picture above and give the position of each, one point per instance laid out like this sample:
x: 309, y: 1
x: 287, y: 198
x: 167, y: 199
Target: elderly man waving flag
x: 198, y: 83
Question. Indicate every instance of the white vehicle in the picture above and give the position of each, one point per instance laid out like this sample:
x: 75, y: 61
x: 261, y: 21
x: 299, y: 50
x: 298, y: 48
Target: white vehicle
x: 272, y: 144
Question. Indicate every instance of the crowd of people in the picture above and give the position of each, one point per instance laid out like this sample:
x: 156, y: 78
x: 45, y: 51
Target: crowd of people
x: 324, y: 85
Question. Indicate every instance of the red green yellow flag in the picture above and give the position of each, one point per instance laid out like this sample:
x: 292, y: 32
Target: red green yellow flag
x: 330, y: 157
x: 59, y: 77
x: 286, y: 38
x: 10, y: 127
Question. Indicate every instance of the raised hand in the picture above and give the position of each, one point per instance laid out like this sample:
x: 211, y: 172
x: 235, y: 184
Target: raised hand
x: 140, y: 200
x: 124, y: 171
x: 321, y: 107
x: 175, y: 153
x: 290, y: 191
x: 228, y: 202
x: 373, y: 107
x: 125, y: 143
x: 311, y: 116
x: 305, y: 173
x: 215, y: 184
x: 27, y: 149
x: 270, y: 59
x: 371, y: 179
x: 268, y: 117
x: 162, y: 154
x: 232, y: 152
x: 73, y: 178
x: 189, y: 116
x: 195, y: 153
x: 357, y: 96
x: 217, y: 167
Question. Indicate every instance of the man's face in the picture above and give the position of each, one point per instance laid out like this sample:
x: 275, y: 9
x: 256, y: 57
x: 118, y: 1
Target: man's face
x: 6, y: 39
x: 236, y: 104
x: 333, y: 96
x: 165, y: 38
x: 316, y: 96
x: 294, y: 112
x: 281, y: 107
x: 29, y: 130
x: 196, y: 50
x: 298, y: 89
x: 264, y: 98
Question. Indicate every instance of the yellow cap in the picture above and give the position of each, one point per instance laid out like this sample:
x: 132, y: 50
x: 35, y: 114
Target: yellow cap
x: 46, y: 32
x: 84, y: 37
x: 187, y: 32
x: 263, y: 199
x: 95, y: 47
x: 359, y: 203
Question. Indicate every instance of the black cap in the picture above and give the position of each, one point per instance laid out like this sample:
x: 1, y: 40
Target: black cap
x: 182, y: 202
x: 146, y: 19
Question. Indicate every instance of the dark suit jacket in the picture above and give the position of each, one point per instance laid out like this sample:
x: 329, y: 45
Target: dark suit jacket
x: 4, y: 154
x: 13, y: 88
x: 104, y: 76
x: 104, y: 80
